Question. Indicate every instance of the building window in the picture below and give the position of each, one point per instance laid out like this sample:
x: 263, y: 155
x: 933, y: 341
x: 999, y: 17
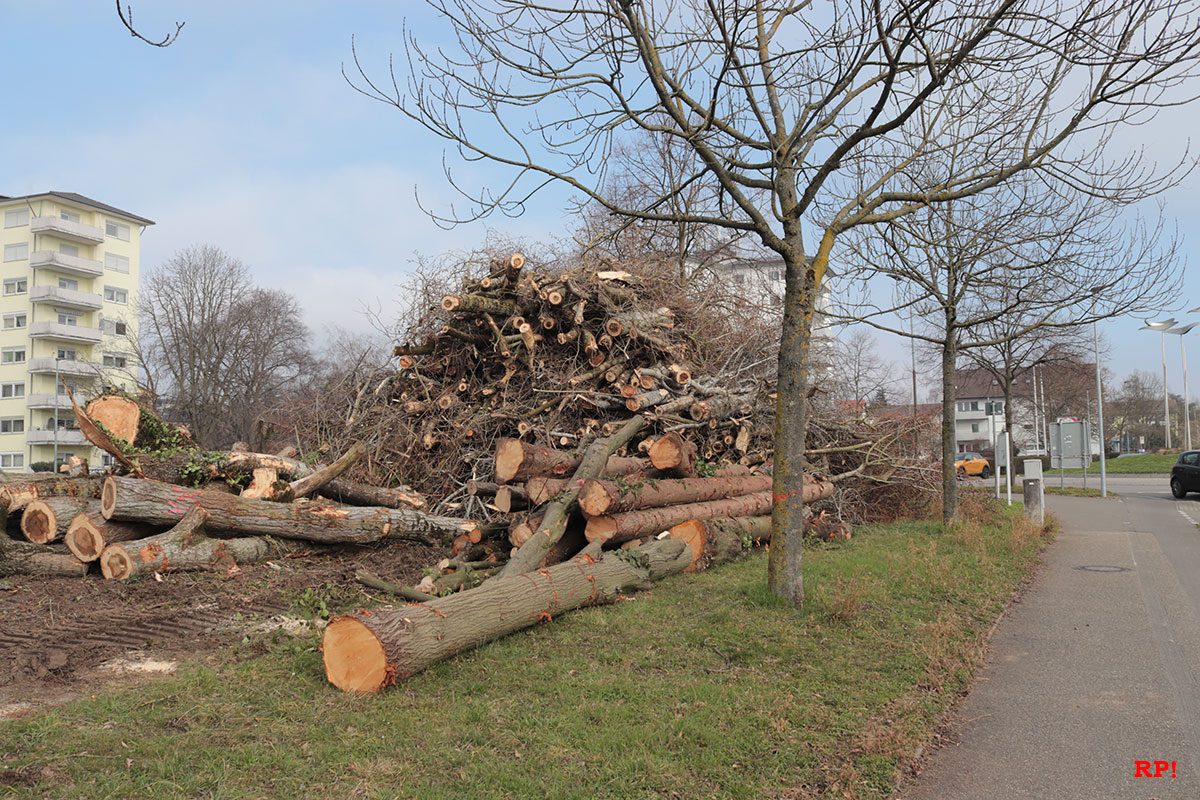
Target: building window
x: 116, y: 263
x: 113, y: 327
x: 116, y: 230
x: 68, y: 249
x: 16, y: 286
x: 13, y: 389
x: 12, y: 460
x: 14, y: 320
x: 974, y: 427
x: 70, y: 216
x: 16, y: 219
x: 12, y: 355
x: 12, y: 425
x: 66, y: 354
x: 67, y: 317
x: 63, y: 386
x: 114, y: 295
x: 16, y: 252
x: 68, y: 283
x: 111, y: 360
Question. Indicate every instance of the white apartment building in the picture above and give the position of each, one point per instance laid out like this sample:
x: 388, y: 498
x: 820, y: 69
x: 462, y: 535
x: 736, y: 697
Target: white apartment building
x: 67, y: 319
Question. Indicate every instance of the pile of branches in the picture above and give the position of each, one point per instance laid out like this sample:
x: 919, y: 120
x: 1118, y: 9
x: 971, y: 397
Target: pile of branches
x: 174, y: 507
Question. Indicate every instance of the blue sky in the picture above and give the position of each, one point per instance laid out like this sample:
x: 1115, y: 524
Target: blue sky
x: 243, y: 134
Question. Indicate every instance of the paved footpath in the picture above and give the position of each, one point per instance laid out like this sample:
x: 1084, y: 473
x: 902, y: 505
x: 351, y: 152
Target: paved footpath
x: 1097, y: 668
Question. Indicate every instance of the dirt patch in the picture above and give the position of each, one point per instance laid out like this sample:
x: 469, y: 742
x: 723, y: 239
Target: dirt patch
x: 57, y: 633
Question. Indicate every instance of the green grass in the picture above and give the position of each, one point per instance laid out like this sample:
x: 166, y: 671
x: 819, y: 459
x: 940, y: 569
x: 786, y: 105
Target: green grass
x: 705, y: 686
x: 1145, y: 464
x: 1076, y: 491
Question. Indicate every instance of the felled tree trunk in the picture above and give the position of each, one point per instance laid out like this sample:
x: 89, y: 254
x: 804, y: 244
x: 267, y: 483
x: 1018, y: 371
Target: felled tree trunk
x: 598, y: 498
x: 360, y: 494
x: 26, y: 558
x: 186, y: 548
x: 47, y: 519
x: 673, y: 455
x: 89, y: 533
x: 119, y: 416
x: 716, y: 541
x: 16, y: 495
x: 366, y: 652
x: 163, y: 504
x: 303, y: 487
x: 518, y: 461
x: 617, y: 528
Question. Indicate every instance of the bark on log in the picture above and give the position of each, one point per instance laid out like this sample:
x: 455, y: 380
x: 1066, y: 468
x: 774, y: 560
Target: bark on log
x: 18, y: 494
x: 368, y: 651
x: 361, y: 494
x: 46, y: 520
x: 303, y: 487
x: 27, y: 558
x: 518, y: 461
x: 716, y: 541
x: 530, y: 555
x: 89, y: 533
x: 479, y: 304
x: 674, y: 455
x: 617, y: 528
x: 163, y: 504
x: 598, y: 498
x: 185, y: 548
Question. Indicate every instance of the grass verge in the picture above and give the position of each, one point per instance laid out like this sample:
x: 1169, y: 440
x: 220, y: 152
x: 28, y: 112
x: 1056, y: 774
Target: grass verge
x: 1144, y: 464
x: 705, y: 686
x: 1075, y: 491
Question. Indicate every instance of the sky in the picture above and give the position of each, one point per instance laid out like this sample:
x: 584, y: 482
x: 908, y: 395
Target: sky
x: 245, y: 135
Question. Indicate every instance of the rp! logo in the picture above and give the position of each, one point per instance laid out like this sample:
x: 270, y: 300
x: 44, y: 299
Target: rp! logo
x: 1141, y: 769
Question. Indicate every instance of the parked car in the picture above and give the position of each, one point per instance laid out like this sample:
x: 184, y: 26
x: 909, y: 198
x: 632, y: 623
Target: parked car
x: 966, y: 464
x: 1185, y: 475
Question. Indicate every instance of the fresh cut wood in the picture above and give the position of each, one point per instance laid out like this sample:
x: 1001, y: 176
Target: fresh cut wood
x: 47, y: 519
x: 16, y: 495
x: 368, y: 651
x: 89, y: 533
x: 163, y: 504
x: 716, y: 541
x: 600, y: 497
x: 673, y: 455
x: 518, y: 461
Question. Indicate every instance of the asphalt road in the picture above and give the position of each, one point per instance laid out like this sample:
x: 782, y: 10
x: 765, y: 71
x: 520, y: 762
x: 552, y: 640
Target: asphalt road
x: 1096, y: 668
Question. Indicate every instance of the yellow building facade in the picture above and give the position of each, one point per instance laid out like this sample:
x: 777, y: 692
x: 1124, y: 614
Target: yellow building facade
x: 68, y: 294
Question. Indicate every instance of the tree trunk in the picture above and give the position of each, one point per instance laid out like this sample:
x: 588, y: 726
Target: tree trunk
x: 26, y: 558
x: 511, y: 498
x: 185, y: 548
x: 949, y: 434
x: 46, y: 520
x: 262, y: 484
x: 303, y: 487
x: 802, y: 281
x: 366, y: 652
x: 361, y: 494
x: 530, y: 555
x: 673, y: 455
x: 163, y: 504
x: 518, y: 461
x: 90, y: 532
x: 17, y: 495
x: 715, y: 541
x: 598, y: 498
x: 617, y: 528
x: 119, y: 416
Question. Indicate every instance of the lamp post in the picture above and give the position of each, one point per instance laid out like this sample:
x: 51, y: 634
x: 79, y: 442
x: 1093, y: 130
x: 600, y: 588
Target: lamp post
x: 1100, y: 410
x: 1162, y: 328
x: 57, y: 382
x: 1181, y: 331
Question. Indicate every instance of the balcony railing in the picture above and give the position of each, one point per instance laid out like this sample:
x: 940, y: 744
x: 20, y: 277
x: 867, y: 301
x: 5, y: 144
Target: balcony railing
x: 71, y: 298
x: 48, y: 400
x: 66, y: 229
x: 45, y: 366
x: 66, y: 436
x: 64, y: 262
x: 58, y: 330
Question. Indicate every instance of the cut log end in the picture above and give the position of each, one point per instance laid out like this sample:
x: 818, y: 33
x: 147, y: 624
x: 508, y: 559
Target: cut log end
x: 108, y: 498
x: 116, y: 563
x: 83, y: 539
x: 39, y: 523
x: 354, y: 657
x: 594, y: 500
x: 600, y: 529
x: 693, y: 532
x: 509, y: 457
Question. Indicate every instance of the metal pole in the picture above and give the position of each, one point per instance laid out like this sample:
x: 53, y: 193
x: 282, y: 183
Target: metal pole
x: 913, y: 345
x: 1166, y: 396
x: 1087, y: 447
x: 1008, y: 463
x: 992, y: 423
x: 1062, y: 462
x: 1187, y: 416
x: 1100, y: 412
x: 56, y: 380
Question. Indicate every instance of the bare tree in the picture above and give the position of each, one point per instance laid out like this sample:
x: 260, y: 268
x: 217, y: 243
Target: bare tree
x: 1135, y: 411
x: 126, y: 17
x: 221, y: 349
x: 804, y: 120
x: 1009, y: 266
x: 856, y: 374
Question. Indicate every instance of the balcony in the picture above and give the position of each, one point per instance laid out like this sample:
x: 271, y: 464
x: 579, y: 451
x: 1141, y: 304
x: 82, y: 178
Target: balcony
x: 76, y: 265
x: 48, y: 400
x: 66, y: 229
x: 66, y: 436
x: 71, y: 298
x: 69, y: 333
x: 45, y: 366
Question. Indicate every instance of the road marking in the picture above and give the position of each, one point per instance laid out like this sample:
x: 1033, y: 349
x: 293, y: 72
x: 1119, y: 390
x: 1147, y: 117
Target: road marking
x: 1187, y: 516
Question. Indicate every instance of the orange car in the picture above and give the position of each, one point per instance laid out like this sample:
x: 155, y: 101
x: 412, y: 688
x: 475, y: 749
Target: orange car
x: 971, y: 464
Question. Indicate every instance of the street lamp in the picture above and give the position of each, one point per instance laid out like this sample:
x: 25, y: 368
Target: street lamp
x: 1099, y: 411
x: 1182, y: 330
x: 57, y: 383
x: 1162, y: 327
